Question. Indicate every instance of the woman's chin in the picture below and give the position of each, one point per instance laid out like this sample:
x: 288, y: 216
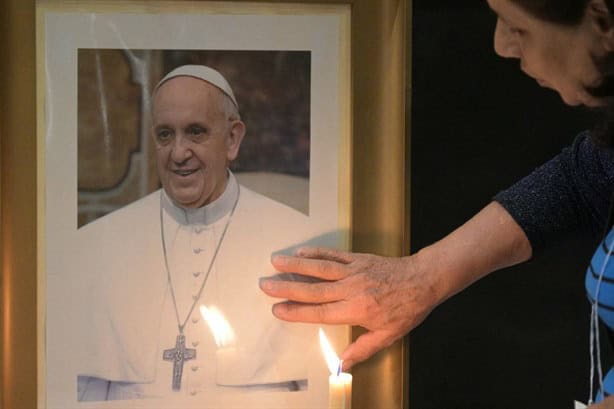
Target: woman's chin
x: 572, y: 100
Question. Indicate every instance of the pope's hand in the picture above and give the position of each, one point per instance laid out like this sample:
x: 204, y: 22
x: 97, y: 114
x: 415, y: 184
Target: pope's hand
x: 387, y: 296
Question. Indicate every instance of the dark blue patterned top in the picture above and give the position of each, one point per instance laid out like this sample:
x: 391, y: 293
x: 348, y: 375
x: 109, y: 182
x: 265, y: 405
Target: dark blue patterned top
x: 569, y: 194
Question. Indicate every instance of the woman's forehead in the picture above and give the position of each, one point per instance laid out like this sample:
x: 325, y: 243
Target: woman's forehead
x: 506, y: 9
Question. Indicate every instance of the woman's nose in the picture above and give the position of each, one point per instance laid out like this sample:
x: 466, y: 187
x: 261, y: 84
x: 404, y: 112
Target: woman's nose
x: 506, y: 41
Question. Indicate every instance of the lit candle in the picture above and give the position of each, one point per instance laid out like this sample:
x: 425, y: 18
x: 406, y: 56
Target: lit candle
x: 339, y: 383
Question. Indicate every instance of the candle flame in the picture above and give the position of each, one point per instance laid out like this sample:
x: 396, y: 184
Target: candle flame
x: 332, y: 361
x: 222, y: 332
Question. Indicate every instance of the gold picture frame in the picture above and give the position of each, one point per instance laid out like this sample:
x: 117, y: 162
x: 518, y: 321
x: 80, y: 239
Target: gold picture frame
x: 379, y: 202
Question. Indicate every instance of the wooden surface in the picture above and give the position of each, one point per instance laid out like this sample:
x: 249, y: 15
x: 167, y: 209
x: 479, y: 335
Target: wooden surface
x: 18, y: 213
x: 379, y: 199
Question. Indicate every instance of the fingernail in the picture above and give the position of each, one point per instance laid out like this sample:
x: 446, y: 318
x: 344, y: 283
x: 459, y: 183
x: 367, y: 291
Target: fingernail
x: 277, y: 309
x: 264, y: 283
x: 278, y: 259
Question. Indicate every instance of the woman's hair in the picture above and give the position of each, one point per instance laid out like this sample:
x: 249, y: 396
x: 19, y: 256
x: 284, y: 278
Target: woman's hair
x: 569, y: 13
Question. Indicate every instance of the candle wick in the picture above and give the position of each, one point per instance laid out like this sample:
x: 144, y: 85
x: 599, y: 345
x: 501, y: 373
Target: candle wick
x: 339, y: 367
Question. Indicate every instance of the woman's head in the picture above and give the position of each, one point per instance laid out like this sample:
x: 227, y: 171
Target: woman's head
x: 565, y: 45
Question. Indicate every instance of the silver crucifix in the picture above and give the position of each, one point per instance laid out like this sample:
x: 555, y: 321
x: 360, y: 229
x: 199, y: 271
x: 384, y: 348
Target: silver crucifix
x: 178, y: 354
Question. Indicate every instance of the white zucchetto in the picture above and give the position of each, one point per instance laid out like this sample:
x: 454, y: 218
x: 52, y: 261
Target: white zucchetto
x: 204, y: 73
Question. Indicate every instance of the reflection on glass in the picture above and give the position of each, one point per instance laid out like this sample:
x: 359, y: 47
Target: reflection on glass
x: 221, y: 329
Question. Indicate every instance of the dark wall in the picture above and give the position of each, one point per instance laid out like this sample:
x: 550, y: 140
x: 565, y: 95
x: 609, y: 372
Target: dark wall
x: 518, y: 338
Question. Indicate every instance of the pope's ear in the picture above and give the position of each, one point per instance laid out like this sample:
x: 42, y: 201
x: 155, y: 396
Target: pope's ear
x: 235, y: 137
x: 602, y: 19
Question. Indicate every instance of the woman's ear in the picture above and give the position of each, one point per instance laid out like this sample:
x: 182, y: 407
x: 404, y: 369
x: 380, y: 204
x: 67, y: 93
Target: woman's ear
x: 234, y: 139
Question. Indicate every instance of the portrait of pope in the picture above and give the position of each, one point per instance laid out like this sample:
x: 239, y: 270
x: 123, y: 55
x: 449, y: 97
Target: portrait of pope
x: 163, y: 271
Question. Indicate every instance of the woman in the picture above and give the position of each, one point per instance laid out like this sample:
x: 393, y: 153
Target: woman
x: 566, y: 45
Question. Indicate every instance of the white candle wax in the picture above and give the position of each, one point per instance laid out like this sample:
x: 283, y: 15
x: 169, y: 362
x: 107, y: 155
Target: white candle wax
x: 340, y: 391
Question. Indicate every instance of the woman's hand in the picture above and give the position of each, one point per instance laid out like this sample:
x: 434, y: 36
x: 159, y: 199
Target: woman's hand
x: 390, y: 296
x: 387, y: 296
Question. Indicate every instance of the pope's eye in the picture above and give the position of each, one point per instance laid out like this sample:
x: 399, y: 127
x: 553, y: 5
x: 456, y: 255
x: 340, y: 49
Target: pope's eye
x: 196, y: 130
x: 164, y: 135
x: 196, y: 133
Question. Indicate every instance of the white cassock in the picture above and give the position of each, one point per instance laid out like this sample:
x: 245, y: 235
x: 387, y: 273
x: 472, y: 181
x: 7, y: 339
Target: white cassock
x: 132, y: 317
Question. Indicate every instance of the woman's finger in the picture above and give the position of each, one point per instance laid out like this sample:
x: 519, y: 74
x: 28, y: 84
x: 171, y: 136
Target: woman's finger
x: 324, y: 269
x: 330, y: 313
x: 325, y: 253
x: 302, y: 292
x: 365, y: 346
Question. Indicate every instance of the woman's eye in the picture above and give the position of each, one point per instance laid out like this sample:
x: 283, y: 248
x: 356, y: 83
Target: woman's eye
x: 516, y: 31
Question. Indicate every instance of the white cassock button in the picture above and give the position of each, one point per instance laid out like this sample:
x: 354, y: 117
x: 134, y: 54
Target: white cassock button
x: 193, y: 392
x: 194, y: 319
x: 194, y: 368
x: 197, y: 273
x: 195, y: 297
x: 195, y: 343
x: 198, y: 250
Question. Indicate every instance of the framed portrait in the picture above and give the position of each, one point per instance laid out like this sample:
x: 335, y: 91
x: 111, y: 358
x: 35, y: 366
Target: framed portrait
x: 321, y: 162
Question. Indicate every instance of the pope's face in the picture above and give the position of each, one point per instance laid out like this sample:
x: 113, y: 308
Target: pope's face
x: 557, y: 56
x: 195, y: 140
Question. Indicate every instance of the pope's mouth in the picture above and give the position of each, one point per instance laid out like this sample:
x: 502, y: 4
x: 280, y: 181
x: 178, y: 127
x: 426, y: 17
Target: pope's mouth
x: 184, y: 172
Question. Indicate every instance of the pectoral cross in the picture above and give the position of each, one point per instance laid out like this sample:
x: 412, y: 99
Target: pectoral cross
x: 178, y: 354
